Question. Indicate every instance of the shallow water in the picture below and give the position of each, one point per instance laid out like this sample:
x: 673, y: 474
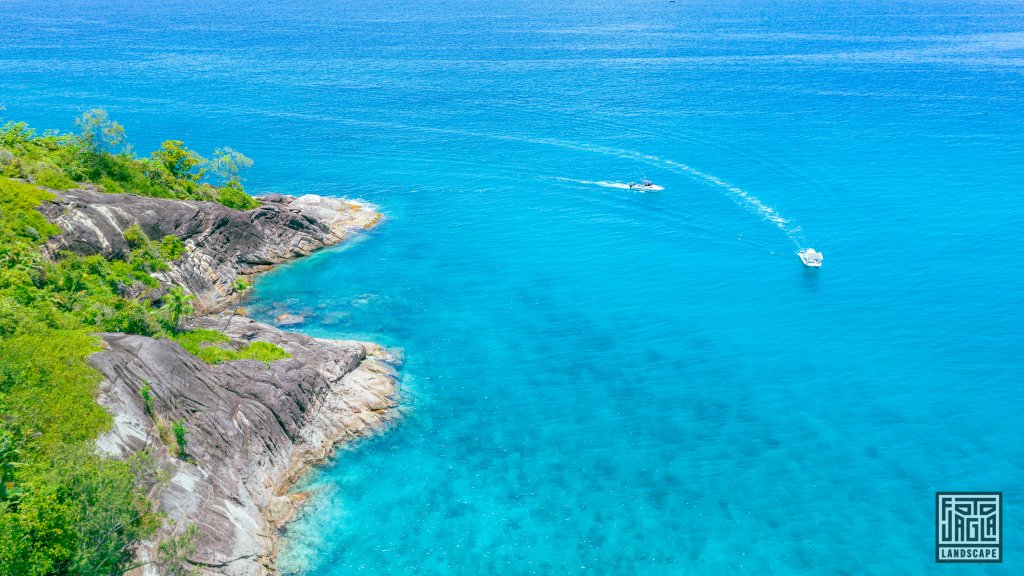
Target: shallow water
x: 599, y: 380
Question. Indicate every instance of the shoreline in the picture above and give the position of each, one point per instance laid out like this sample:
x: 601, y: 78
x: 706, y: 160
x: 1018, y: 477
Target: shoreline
x: 285, y: 506
x: 254, y: 428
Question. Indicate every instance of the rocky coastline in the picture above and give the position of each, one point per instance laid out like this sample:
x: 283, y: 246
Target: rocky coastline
x: 253, y: 427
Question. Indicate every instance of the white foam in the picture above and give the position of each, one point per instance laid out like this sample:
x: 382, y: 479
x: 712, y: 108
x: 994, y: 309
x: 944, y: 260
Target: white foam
x: 739, y: 195
x: 619, y: 185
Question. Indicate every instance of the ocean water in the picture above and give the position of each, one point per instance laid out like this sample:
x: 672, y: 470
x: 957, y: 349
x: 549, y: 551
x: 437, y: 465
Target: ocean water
x: 599, y: 380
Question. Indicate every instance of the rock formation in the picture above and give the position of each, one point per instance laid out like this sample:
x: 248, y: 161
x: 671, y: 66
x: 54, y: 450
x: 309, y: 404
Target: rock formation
x: 223, y: 244
x: 252, y: 427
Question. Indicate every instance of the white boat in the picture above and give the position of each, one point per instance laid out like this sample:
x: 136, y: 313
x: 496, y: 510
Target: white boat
x: 644, y: 185
x: 811, y: 258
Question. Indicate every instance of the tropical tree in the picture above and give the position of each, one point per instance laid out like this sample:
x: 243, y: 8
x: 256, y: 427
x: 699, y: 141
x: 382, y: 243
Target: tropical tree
x: 228, y: 164
x: 180, y: 161
x: 99, y: 132
x: 177, y: 306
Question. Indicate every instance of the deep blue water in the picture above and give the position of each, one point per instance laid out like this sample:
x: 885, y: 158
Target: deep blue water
x: 600, y: 381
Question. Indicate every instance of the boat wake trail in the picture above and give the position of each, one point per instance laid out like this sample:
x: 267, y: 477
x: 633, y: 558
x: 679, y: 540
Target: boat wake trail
x: 742, y: 197
x: 619, y: 185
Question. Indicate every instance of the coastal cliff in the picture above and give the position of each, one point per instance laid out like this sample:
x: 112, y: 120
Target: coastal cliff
x: 223, y: 244
x: 253, y: 427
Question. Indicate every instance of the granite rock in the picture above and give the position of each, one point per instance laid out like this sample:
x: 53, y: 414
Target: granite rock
x: 222, y: 244
x: 253, y: 428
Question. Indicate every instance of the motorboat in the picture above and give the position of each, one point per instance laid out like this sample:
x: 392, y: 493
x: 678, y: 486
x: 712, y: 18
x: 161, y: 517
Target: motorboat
x: 644, y: 185
x: 811, y: 257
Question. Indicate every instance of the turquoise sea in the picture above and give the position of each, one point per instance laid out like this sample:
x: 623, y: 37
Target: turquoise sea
x: 598, y: 380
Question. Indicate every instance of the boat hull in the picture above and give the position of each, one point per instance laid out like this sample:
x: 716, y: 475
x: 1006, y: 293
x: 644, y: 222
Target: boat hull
x: 810, y: 258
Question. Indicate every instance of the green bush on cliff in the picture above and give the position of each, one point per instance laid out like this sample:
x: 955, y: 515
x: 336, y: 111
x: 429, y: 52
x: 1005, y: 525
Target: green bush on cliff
x: 63, y: 508
x: 173, y: 553
x: 99, y: 154
x: 206, y: 345
x: 178, y: 427
x: 55, y: 180
x: 74, y: 512
x: 233, y: 196
x: 171, y: 248
x: 263, y: 351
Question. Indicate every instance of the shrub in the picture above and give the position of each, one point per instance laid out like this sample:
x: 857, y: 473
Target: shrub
x: 173, y: 553
x: 228, y: 165
x: 163, y: 430
x: 10, y: 460
x: 76, y: 512
x: 12, y: 170
x: 179, y: 161
x: 11, y: 316
x: 99, y: 132
x: 16, y: 133
x: 128, y: 316
x: 110, y: 186
x: 263, y: 351
x: 178, y: 427
x: 233, y: 196
x: 171, y: 248
x: 198, y: 343
x: 135, y: 236
x: 54, y: 180
x: 146, y: 392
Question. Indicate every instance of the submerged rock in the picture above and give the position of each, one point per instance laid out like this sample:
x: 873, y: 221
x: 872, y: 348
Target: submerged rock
x: 289, y: 320
x: 335, y: 318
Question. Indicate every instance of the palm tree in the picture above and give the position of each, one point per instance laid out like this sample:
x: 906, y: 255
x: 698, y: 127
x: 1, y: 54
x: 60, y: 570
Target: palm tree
x: 177, y: 306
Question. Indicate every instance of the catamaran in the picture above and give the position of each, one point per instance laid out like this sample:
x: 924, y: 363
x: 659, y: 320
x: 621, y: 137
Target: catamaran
x: 811, y: 258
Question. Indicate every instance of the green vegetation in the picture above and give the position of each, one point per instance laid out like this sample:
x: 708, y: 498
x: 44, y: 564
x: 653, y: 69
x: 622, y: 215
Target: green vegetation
x: 171, y: 248
x: 181, y: 162
x: 99, y: 132
x: 232, y: 196
x: 178, y: 427
x: 173, y: 554
x: 64, y: 508
x: 228, y: 164
x: 146, y: 392
x: 177, y: 307
x: 54, y: 179
x: 98, y: 153
x: 204, y: 345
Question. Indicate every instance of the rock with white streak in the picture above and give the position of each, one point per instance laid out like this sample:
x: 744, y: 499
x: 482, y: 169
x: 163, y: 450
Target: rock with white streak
x: 253, y: 427
x: 222, y: 244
